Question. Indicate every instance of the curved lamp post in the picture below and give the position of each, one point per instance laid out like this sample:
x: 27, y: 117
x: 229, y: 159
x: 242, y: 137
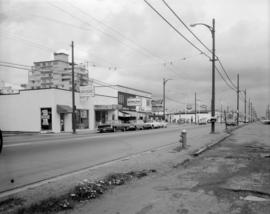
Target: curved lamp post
x: 212, y: 30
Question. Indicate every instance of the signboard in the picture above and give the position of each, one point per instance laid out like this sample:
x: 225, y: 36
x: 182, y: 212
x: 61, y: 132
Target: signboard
x: 87, y: 91
x: 134, y: 102
x: 46, y: 118
x: 203, y: 106
x: 189, y: 106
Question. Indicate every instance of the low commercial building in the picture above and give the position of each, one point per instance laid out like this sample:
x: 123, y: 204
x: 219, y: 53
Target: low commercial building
x: 43, y: 110
x: 116, y: 102
x: 49, y: 110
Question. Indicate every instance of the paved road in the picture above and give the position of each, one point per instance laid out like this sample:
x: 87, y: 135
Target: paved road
x: 30, y: 159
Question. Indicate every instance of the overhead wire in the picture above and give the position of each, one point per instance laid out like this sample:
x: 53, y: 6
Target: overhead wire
x: 175, y: 14
x: 113, y: 30
x: 175, y: 29
x: 168, y: 6
x: 113, y: 36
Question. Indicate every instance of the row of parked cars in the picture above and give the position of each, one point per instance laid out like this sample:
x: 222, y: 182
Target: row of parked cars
x: 131, y: 125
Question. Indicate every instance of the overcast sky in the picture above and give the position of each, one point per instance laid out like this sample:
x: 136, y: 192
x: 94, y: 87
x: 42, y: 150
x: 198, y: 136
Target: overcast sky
x: 125, y: 42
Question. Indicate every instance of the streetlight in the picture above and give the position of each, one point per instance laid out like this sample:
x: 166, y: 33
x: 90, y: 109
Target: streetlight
x: 164, y: 83
x: 212, y: 30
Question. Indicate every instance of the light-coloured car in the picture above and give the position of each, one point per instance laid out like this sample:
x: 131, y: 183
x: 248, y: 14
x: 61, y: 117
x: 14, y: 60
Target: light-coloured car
x: 154, y: 124
x: 163, y: 124
x: 202, y: 121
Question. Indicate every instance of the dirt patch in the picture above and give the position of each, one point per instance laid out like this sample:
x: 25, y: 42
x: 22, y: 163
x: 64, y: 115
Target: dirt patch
x: 9, y: 204
x: 84, y: 191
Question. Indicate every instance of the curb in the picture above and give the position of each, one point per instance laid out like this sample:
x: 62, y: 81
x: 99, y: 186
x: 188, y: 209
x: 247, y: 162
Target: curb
x: 205, y: 148
x: 229, y: 133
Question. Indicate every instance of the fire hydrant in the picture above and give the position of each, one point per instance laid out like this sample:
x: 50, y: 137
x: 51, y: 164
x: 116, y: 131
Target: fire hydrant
x: 183, y: 138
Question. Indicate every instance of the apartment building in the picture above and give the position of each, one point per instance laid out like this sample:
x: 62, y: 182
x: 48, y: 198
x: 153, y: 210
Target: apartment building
x: 57, y: 73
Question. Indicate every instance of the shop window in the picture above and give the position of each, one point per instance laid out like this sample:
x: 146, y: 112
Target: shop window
x: 46, y: 118
x: 82, y: 119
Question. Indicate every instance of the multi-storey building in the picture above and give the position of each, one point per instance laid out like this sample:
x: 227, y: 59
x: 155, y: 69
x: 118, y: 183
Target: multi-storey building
x: 57, y: 73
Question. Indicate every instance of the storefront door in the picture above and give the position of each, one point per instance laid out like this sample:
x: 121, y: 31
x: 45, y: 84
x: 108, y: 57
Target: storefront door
x: 62, y: 122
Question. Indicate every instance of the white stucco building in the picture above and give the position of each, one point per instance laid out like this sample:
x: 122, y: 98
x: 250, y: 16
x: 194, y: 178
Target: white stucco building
x: 49, y: 110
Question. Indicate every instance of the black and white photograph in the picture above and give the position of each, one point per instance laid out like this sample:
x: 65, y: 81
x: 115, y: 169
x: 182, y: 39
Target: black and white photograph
x: 135, y: 106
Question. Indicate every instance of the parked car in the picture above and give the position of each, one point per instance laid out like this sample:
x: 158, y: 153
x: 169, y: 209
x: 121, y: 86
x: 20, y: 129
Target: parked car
x: 267, y: 122
x: 231, y: 122
x: 137, y: 125
x: 113, y: 127
x: 1, y: 141
x: 163, y: 124
x: 153, y: 124
x: 202, y: 121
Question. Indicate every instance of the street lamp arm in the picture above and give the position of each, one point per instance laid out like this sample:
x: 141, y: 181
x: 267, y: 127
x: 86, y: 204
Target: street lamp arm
x: 208, y: 26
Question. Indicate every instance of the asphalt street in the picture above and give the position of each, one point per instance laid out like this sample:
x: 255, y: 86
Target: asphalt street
x: 34, y: 158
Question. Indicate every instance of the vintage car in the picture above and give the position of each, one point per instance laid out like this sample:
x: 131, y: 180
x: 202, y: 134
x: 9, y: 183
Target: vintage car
x: 113, y: 127
x: 136, y: 125
x: 153, y: 124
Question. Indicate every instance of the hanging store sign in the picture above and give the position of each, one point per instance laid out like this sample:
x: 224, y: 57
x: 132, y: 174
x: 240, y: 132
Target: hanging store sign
x: 134, y: 102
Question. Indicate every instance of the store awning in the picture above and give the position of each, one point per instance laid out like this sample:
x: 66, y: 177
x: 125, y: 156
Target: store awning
x: 63, y: 109
x: 127, y: 114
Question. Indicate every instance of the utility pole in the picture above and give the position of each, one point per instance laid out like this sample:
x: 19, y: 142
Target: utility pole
x: 237, y: 99
x: 73, y: 90
x: 221, y: 112
x: 195, y: 109
x: 164, y: 82
x: 251, y: 112
x: 213, y: 77
x: 212, y: 29
x: 268, y: 110
x: 245, y: 105
x: 164, y: 96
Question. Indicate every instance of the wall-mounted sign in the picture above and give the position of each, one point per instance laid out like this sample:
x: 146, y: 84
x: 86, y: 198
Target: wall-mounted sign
x: 203, y: 106
x: 46, y: 118
x: 134, y: 102
x: 189, y: 106
x: 87, y: 91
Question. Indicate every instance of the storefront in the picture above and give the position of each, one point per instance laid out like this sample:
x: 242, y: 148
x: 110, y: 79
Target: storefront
x: 106, y: 113
x: 44, y: 110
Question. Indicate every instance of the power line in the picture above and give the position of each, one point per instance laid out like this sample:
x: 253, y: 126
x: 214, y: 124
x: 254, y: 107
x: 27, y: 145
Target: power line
x: 15, y: 64
x: 114, y: 30
x: 185, y: 25
x: 17, y: 67
x: 225, y: 80
x: 139, y: 48
x: 177, y: 31
x: 102, y: 31
x: 199, y: 41
x: 226, y: 73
